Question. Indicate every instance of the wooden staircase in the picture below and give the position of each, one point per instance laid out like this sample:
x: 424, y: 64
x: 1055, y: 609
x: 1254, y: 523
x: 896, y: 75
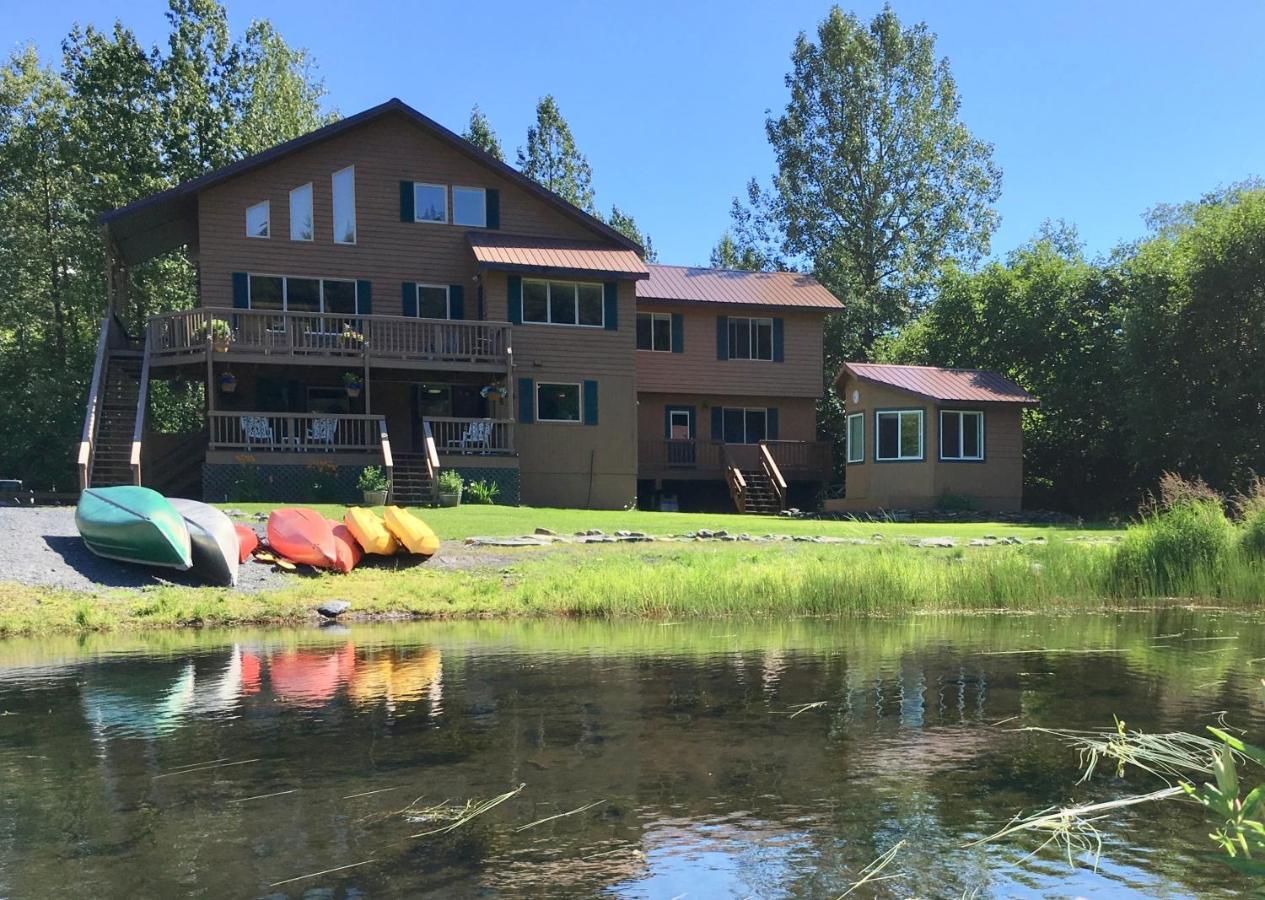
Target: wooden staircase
x: 411, y: 480
x: 110, y: 462
x: 759, y: 491
x: 761, y: 499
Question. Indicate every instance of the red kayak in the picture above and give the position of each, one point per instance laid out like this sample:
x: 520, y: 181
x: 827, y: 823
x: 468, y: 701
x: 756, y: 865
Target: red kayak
x: 346, y: 548
x: 247, y: 542
x: 303, y: 536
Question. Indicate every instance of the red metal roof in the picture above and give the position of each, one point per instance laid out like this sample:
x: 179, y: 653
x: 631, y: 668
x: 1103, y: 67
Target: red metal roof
x: 691, y: 285
x: 942, y: 384
x: 522, y: 252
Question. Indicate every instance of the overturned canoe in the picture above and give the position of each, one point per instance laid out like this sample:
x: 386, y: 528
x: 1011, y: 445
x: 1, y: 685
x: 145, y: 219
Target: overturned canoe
x: 369, y: 531
x: 347, y: 550
x: 133, y: 524
x: 247, y: 542
x: 302, y: 535
x: 213, y: 539
x: 412, y: 532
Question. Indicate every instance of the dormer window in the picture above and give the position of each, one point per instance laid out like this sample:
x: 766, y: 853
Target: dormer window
x: 469, y: 207
x: 430, y: 202
x: 258, y: 220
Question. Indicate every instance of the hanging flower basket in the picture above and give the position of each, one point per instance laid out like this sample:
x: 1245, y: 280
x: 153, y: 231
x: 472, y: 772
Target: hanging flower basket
x: 493, y: 392
x: 228, y: 383
x: 353, y: 384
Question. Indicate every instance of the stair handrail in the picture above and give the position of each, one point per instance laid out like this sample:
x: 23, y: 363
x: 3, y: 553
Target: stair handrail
x: 432, y: 459
x: 733, y: 478
x: 774, y: 474
x: 388, y: 462
x: 138, y: 429
x: 84, y: 458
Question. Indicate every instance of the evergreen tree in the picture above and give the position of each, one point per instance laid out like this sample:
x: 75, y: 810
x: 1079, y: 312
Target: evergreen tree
x: 552, y: 159
x: 728, y: 254
x: 627, y: 226
x: 479, y: 132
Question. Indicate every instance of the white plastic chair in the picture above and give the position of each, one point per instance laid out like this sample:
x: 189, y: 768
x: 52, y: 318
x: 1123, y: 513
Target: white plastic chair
x: 322, y: 432
x: 258, y: 430
x: 476, y: 436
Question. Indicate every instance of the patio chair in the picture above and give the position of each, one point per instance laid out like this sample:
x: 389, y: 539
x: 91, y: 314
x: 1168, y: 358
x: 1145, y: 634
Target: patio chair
x: 321, y: 433
x: 477, y: 436
x: 258, y: 430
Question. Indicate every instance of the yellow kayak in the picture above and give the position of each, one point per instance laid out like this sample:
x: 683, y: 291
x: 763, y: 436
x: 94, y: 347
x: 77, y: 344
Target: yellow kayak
x: 369, y: 532
x: 411, y: 531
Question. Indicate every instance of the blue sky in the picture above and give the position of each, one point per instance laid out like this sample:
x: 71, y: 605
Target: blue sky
x: 1096, y: 110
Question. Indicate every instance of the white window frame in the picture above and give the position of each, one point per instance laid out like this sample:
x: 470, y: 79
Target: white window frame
x: 689, y: 421
x: 763, y: 410
x: 355, y: 225
x: 579, y: 392
x: 859, y: 455
x: 483, y: 195
x: 575, y: 297
x: 285, y: 292
x: 311, y: 213
x: 417, y: 296
x: 267, y: 205
x: 962, y: 457
x: 654, y: 317
x: 428, y: 184
x: 751, y: 338
x: 902, y: 457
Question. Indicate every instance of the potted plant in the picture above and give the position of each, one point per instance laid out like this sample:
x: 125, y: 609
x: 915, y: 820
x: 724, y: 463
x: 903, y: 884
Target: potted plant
x: 352, y: 339
x: 450, y: 485
x: 228, y: 382
x: 220, y: 334
x: 354, y: 384
x: 493, y: 392
x: 373, y: 485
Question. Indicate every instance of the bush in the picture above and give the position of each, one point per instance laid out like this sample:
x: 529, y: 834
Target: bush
x: 372, y: 478
x: 482, y: 491
x: 323, y: 481
x: 957, y: 503
x: 450, y: 481
x: 1251, y: 511
x: 1170, y: 545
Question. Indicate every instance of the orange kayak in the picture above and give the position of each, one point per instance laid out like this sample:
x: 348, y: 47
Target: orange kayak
x: 247, y: 542
x: 346, y: 548
x: 302, y: 535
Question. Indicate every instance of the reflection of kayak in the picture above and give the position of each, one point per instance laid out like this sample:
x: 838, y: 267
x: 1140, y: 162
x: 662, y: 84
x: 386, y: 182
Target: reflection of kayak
x: 388, y: 677
x: 347, y: 552
x: 412, y: 532
x: 134, y: 524
x: 213, y: 540
x: 135, y: 705
x: 247, y: 542
x: 303, y: 536
x: 369, y: 531
x: 310, y: 677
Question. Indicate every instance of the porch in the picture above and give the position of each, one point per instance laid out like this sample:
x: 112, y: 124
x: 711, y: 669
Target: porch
x: 707, y: 459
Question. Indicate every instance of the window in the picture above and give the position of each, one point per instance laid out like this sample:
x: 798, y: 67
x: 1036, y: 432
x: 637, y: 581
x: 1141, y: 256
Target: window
x: 430, y: 202
x: 899, y: 434
x: 257, y: 220
x: 432, y: 301
x: 856, y: 437
x: 744, y: 426
x: 301, y: 213
x: 557, y: 402
x: 563, y: 303
x: 311, y: 295
x: 469, y: 207
x: 679, y: 424
x: 654, y: 332
x: 750, y: 338
x: 344, y: 184
x: 327, y: 400
x: 961, y: 434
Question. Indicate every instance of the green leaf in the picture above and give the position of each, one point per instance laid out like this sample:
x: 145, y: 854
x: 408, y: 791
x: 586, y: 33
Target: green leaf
x: 1227, y: 777
x: 1251, y: 751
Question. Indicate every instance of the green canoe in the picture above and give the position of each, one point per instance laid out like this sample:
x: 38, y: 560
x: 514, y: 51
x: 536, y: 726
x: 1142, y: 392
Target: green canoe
x: 133, y: 524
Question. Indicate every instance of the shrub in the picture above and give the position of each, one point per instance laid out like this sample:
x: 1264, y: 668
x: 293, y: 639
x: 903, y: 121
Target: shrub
x: 323, y: 482
x: 372, y: 478
x: 450, y: 481
x: 248, y: 484
x: 1170, y: 545
x: 482, y: 491
x: 957, y: 503
x: 1251, y: 511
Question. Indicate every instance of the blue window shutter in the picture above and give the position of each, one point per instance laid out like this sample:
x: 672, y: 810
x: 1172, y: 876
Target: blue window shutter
x: 667, y: 421
x: 492, y: 201
x: 364, y: 298
x: 526, y: 400
x: 722, y: 337
x: 406, y: 202
x: 610, y: 295
x: 456, y: 301
x: 590, y: 403
x: 410, y: 298
x: 678, y: 333
x: 515, y: 300
x: 770, y: 424
x: 777, y: 340
x: 241, y: 291
x: 718, y: 423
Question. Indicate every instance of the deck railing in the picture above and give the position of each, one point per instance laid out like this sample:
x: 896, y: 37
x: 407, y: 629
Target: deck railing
x: 295, y: 432
x: 472, y: 436
x: 801, y: 458
x: 272, y: 332
x: 84, y: 456
x: 793, y: 459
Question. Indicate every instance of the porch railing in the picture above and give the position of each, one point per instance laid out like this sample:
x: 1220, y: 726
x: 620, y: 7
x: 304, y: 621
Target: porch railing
x: 84, y: 456
x: 801, y: 458
x: 793, y: 459
x: 272, y: 332
x: 473, y: 436
x: 295, y: 432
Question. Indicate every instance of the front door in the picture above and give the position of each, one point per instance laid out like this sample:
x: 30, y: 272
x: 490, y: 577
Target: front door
x: 680, y: 447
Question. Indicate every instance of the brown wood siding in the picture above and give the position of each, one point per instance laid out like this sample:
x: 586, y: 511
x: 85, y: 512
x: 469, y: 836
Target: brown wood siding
x: 388, y: 252
x: 799, y: 375
x: 796, y: 416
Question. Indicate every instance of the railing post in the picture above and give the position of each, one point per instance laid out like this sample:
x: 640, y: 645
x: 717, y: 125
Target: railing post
x: 84, y: 458
x: 138, y: 430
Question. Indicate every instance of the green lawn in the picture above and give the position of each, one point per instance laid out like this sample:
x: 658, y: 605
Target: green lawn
x: 467, y: 521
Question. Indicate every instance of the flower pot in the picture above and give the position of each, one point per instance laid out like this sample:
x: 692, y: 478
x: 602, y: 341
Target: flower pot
x: 219, y: 345
x: 375, y: 498
x: 353, y: 391
x: 228, y: 384
x: 446, y: 499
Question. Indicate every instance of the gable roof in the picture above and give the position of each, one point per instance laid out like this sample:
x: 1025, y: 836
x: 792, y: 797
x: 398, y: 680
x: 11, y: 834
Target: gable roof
x: 936, y: 383
x: 517, y: 252
x: 149, y: 216
x: 688, y: 284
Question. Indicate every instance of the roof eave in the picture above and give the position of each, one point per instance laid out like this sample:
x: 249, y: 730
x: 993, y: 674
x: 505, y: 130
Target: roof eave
x: 561, y: 270
x: 729, y: 304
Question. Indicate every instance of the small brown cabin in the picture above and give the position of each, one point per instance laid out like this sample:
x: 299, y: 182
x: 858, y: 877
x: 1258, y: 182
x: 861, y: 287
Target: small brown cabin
x: 920, y: 435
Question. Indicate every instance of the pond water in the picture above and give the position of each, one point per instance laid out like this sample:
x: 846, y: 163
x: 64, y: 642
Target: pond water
x: 233, y: 763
